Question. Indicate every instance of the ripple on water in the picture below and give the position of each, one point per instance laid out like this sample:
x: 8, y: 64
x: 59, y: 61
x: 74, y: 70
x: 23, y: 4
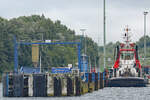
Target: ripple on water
x: 142, y: 93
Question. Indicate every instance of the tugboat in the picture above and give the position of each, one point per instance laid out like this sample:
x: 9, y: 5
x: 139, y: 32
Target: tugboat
x: 127, y: 70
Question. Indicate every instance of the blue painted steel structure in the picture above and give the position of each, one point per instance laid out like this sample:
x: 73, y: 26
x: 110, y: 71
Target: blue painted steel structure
x: 29, y: 70
x: 79, y: 56
x: 15, y: 55
x: 86, y: 76
x: 93, y: 77
x: 104, y: 75
x: 7, y: 84
x: 52, y: 43
x: 98, y: 75
x: 84, y: 63
x: 56, y: 70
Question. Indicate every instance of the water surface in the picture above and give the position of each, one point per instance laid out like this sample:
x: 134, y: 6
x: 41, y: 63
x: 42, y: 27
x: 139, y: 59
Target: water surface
x: 142, y: 93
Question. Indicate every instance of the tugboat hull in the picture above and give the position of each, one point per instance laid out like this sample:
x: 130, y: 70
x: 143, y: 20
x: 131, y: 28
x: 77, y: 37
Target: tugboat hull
x: 127, y: 82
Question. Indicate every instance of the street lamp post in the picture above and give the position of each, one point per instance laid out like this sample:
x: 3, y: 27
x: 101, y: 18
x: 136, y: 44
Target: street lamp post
x: 83, y: 30
x: 145, y: 13
x: 104, y: 30
x: 83, y: 34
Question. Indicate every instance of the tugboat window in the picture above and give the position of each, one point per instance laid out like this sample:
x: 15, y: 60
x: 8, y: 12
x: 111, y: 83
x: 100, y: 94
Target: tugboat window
x: 127, y: 56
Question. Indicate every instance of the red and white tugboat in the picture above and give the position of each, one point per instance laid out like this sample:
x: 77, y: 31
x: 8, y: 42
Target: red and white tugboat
x: 127, y: 70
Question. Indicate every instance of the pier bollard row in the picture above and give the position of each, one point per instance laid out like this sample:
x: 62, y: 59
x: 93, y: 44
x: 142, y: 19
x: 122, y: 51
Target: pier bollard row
x: 46, y: 85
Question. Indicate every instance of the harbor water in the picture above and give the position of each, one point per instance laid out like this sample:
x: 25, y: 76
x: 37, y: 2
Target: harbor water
x: 108, y: 93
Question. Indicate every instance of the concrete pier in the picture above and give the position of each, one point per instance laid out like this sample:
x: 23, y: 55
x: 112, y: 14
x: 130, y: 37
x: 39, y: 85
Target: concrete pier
x: 46, y: 85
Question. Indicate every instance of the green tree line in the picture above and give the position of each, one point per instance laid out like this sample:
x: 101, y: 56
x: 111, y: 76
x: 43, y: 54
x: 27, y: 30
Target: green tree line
x: 38, y: 28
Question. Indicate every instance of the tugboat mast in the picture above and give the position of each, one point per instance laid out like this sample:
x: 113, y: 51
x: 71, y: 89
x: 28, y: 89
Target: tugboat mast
x: 127, y: 38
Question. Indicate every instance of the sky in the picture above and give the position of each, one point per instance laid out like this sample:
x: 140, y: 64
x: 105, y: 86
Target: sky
x: 86, y: 14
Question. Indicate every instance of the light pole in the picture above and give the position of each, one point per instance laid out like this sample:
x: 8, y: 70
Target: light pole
x: 83, y: 34
x: 98, y: 50
x: 104, y: 30
x: 41, y: 54
x: 145, y: 13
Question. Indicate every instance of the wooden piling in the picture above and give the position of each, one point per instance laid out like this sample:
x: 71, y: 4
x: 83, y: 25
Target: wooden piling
x: 50, y: 85
x: 39, y: 85
x: 74, y: 86
x: 64, y: 85
x: 26, y: 88
x: 57, y: 86
x: 78, y: 86
x: 30, y: 85
x: 90, y: 83
x: 70, y: 86
x: 101, y: 81
x: 96, y: 81
x: 15, y: 85
x: 18, y: 86
x: 42, y: 85
x: 6, y: 85
x: 84, y: 88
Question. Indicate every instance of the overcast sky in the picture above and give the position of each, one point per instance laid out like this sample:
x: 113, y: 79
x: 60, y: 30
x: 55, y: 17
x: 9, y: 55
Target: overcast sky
x: 88, y: 14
